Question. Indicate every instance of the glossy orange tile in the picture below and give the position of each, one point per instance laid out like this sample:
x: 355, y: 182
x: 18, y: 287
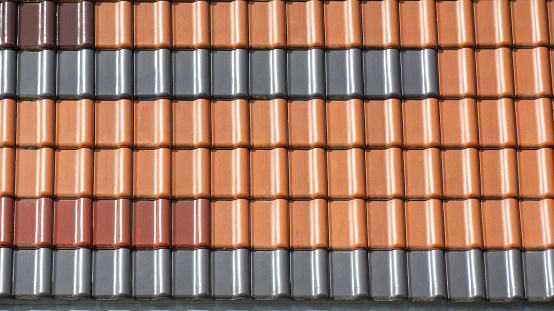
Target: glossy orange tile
x: 74, y: 173
x: 459, y: 125
x: 269, y: 174
x: 534, y: 123
x: 418, y: 27
x: 501, y: 228
x: 462, y: 224
x: 380, y: 24
x: 113, y: 123
x: 191, y: 123
x: 114, y: 25
x: 269, y: 224
x: 343, y: 27
x: 347, y: 225
x: 460, y: 173
x: 7, y: 122
x: 307, y: 174
x: 152, y: 173
x: 230, y: 123
x: 308, y: 224
x: 305, y: 27
x: 307, y: 123
x: 75, y: 123
x: 230, y: 173
x: 268, y: 123
x: 457, y: 73
x: 422, y: 174
x: 72, y: 223
x: 537, y: 219
x: 41, y: 131
x: 529, y: 22
x: 191, y: 24
x: 536, y: 173
x: 112, y: 223
x: 7, y: 167
x: 424, y: 225
x: 229, y: 24
x: 267, y: 24
x: 34, y: 173
x: 152, y: 24
x: 152, y: 123
x: 230, y: 224
x: 384, y: 173
x: 345, y: 123
x: 492, y: 23
x: 152, y: 224
x: 455, y: 23
x: 494, y: 72
x: 33, y: 223
x: 345, y: 174
x: 421, y: 123
x: 191, y: 173
x: 497, y: 125
x: 386, y: 224
x: 113, y: 173
x: 498, y: 173
x: 532, y: 72
x: 383, y: 123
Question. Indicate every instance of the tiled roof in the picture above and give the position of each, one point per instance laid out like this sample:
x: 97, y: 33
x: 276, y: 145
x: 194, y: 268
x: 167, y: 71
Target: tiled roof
x: 345, y: 149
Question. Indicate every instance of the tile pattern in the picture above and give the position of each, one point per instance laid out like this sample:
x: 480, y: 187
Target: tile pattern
x: 341, y: 150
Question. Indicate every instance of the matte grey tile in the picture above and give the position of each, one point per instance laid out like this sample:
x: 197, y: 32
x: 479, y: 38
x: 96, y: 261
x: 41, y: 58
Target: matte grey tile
x: 381, y: 73
x: 349, y: 275
x: 36, y: 74
x: 191, y: 274
x: 419, y: 73
x: 75, y: 75
x: 306, y: 73
x: 309, y: 274
x: 153, y: 74
x: 503, y: 275
x: 426, y: 275
x: 387, y: 275
x: 71, y: 273
x: 268, y: 73
x: 114, y: 74
x: 270, y: 274
x: 32, y: 273
x: 465, y: 275
x: 152, y: 274
x: 538, y: 274
x: 229, y: 74
x: 191, y: 74
x: 6, y: 256
x: 230, y: 274
x: 111, y: 274
x: 8, y: 65
x: 344, y: 74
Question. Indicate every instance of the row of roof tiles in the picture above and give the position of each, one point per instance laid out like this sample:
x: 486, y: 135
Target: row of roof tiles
x: 277, y: 224
x: 277, y: 24
x: 279, y: 123
x: 277, y: 274
x: 278, y: 173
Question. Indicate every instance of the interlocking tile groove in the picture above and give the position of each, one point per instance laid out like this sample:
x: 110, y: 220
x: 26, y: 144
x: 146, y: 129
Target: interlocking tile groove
x: 267, y: 24
x: 71, y: 273
x: 191, y: 24
x: 35, y: 282
x: 386, y: 225
x: 426, y: 275
x: 37, y: 25
x: 462, y: 224
x: 465, y: 275
x: 230, y: 274
x: 152, y: 274
x: 8, y: 26
x: 455, y: 24
x: 191, y: 281
x: 503, y: 274
x: 270, y: 274
x: 268, y: 77
x: 418, y: 28
x: 537, y: 273
x: 343, y: 73
x: 191, y: 224
x: 381, y: 73
x: 152, y: 25
x: 112, y: 224
x: 348, y: 275
x: 74, y: 124
x: 36, y: 74
x: 388, y: 275
x: 537, y: 217
x: 113, y: 25
x: 75, y: 25
x: 347, y: 225
x: 152, y: 74
x: 111, y: 273
x: 269, y: 224
x: 72, y: 226
x: 309, y: 274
